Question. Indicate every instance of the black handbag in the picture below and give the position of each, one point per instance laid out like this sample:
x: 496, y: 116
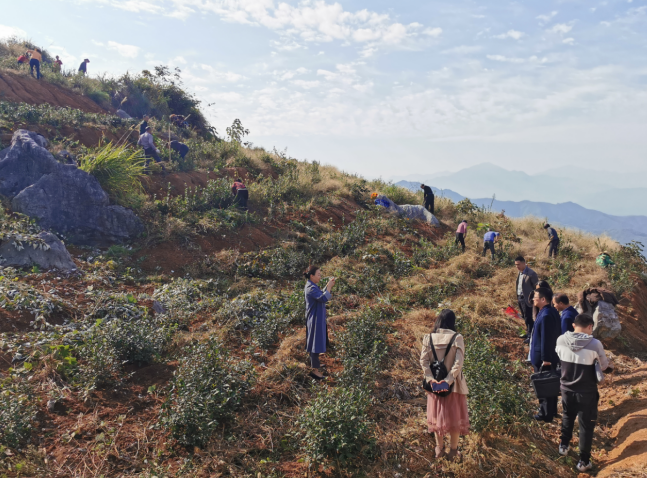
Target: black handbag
x: 546, y: 383
x: 438, y: 369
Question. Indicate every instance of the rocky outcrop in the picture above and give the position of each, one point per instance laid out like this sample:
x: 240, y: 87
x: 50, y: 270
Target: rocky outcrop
x: 50, y: 253
x: 62, y: 197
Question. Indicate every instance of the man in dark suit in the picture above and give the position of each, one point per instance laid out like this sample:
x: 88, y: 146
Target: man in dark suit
x: 526, y: 283
x: 545, y: 333
x: 429, y: 198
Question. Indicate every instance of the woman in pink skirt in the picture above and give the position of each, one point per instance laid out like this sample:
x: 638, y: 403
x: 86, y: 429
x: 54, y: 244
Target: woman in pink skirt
x: 446, y: 414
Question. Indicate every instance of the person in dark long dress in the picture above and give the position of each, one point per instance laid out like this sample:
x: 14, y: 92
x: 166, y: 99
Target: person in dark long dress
x: 316, y: 329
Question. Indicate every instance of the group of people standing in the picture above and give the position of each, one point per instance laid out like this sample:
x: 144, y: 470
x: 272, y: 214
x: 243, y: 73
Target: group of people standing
x: 558, y: 336
x: 35, y: 58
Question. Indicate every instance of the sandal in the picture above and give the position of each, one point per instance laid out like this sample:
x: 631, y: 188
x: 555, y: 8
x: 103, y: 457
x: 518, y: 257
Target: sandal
x: 454, y: 455
x: 440, y: 451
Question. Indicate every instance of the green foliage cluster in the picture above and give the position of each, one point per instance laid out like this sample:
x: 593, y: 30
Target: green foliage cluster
x: 46, y: 114
x: 426, y: 253
x: 363, y: 347
x: 208, y: 386
x: 118, y: 169
x: 19, y: 295
x: 215, y: 195
x: 629, y: 264
x: 17, y: 411
x: 183, y: 298
x: 496, y: 399
x: 335, y: 425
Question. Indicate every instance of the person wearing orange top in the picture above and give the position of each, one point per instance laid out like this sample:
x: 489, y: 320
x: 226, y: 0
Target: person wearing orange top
x: 36, y: 58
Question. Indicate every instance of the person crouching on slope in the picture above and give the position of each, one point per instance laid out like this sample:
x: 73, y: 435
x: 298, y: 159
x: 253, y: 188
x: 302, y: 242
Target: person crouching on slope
x: 578, y: 352
x: 489, y: 239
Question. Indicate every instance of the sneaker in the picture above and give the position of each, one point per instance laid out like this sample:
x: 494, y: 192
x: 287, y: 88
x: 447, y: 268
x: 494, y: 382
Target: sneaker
x: 563, y: 449
x: 581, y: 466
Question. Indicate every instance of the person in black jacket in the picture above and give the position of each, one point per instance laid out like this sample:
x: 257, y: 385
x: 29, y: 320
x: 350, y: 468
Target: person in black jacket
x: 429, y: 198
x: 542, y: 346
x: 553, y: 240
x: 143, y: 125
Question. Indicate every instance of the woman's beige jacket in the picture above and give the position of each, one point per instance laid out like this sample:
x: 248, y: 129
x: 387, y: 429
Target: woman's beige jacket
x: 454, y: 361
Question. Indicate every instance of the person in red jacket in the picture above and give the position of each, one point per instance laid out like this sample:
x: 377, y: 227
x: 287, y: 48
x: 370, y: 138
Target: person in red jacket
x: 240, y: 193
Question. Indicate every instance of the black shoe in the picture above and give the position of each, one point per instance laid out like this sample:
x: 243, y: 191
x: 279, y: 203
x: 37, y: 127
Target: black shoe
x: 542, y: 418
x: 526, y: 341
x: 524, y: 336
x: 312, y: 374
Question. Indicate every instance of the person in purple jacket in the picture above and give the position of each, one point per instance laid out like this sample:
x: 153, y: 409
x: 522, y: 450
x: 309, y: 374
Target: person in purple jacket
x: 316, y: 327
x: 567, y: 312
x: 488, y: 241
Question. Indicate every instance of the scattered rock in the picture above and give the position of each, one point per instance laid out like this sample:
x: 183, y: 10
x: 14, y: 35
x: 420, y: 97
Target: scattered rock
x: 122, y: 114
x: 62, y: 197
x: 158, y: 307
x: 55, y: 257
x: 606, y: 324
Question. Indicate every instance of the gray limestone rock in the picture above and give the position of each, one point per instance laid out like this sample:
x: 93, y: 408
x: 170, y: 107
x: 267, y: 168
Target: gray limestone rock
x: 16, y: 253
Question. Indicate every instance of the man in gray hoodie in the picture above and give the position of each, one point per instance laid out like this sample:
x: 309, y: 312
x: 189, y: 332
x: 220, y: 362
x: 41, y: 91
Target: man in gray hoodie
x: 578, y: 351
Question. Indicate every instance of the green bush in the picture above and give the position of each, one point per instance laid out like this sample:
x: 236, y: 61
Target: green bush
x: 118, y: 169
x: 400, y: 195
x: 425, y: 253
x: 496, y: 398
x: 363, y: 347
x: 47, y: 114
x: 17, y: 412
x: 335, y: 425
x: 629, y: 263
x: 207, y: 388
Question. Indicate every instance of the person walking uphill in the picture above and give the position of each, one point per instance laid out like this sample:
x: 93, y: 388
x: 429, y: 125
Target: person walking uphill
x: 446, y: 413
x: 489, y: 239
x: 542, y: 347
x: 147, y: 142
x: 83, y: 67
x: 36, y: 58
x: 316, y: 326
x: 553, y: 240
x: 429, y: 198
x: 241, y: 194
x: 460, y: 233
x: 578, y: 352
x: 526, y: 282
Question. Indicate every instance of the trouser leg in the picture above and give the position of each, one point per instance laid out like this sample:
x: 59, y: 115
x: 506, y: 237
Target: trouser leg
x: 526, y: 313
x: 587, y: 417
x: 37, y: 70
x: 314, y: 360
x: 569, y: 412
x: 552, y: 249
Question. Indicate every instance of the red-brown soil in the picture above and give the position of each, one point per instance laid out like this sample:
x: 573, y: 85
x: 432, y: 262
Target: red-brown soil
x: 25, y: 89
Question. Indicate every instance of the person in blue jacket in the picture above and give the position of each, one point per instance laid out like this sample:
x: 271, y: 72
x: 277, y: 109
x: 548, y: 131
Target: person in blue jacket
x: 316, y: 327
x: 553, y: 240
x: 488, y: 241
x: 542, y: 352
x: 567, y: 312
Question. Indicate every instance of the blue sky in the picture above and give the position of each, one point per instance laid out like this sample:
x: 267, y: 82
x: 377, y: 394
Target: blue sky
x: 385, y: 88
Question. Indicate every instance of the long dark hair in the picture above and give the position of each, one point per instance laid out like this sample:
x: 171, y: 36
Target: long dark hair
x: 445, y: 320
x: 310, y: 271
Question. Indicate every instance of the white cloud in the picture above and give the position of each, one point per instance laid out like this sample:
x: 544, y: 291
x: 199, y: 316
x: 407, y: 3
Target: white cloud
x: 64, y: 55
x: 462, y: 50
x: 8, y: 32
x: 546, y: 18
x: 433, y: 32
x: 218, y: 76
x: 569, y: 41
x: 514, y: 34
x: 306, y: 84
x: 505, y: 59
x: 127, y: 51
x: 561, y: 28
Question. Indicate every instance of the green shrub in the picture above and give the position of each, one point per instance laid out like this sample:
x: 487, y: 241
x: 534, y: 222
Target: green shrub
x: 496, y: 398
x: 207, y: 388
x: 400, y: 195
x: 100, y: 97
x: 335, y: 425
x: 17, y: 412
x: 425, y: 253
x: 402, y: 265
x: 363, y: 347
x: 629, y: 263
x: 118, y: 169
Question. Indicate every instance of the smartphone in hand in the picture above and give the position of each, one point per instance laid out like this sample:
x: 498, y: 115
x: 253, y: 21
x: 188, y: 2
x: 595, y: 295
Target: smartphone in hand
x: 440, y: 387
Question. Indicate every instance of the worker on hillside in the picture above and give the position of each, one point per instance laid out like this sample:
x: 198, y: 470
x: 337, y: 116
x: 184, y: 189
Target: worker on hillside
x: 83, y: 67
x: 553, y: 240
x: 526, y: 282
x: 147, y: 142
x: 489, y: 239
x: 604, y: 260
x: 181, y: 148
x: 241, y: 195
x: 429, y: 198
x: 143, y: 125
x: 58, y: 64
x: 460, y: 233
x: 36, y: 58
x: 23, y: 59
x: 179, y: 121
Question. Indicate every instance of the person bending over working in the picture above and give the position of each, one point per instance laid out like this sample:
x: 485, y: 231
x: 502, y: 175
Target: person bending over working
x: 316, y: 326
x: 36, y: 58
x: 181, y: 148
x: 147, y: 142
x: 553, y: 241
x: 489, y: 239
x: 446, y: 414
x: 83, y: 67
x: 604, y: 260
x: 429, y: 198
x: 542, y: 349
x: 578, y: 352
x: 526, y: 282
x: 460, y: 233
x: 566, y: 311
x: 241, y: 194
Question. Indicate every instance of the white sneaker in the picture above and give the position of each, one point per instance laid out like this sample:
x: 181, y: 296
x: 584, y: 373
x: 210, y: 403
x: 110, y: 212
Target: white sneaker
x: 581, y: 466
x: 563, y: 449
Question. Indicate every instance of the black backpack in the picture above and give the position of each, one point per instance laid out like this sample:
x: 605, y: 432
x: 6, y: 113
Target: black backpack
x: 438, y: 369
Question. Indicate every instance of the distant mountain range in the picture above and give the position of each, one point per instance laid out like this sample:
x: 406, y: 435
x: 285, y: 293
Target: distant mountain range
x: 612, y: 192
x: 621, y: 228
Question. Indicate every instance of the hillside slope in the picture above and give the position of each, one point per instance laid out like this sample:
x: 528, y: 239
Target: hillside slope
x: 19, y: 88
